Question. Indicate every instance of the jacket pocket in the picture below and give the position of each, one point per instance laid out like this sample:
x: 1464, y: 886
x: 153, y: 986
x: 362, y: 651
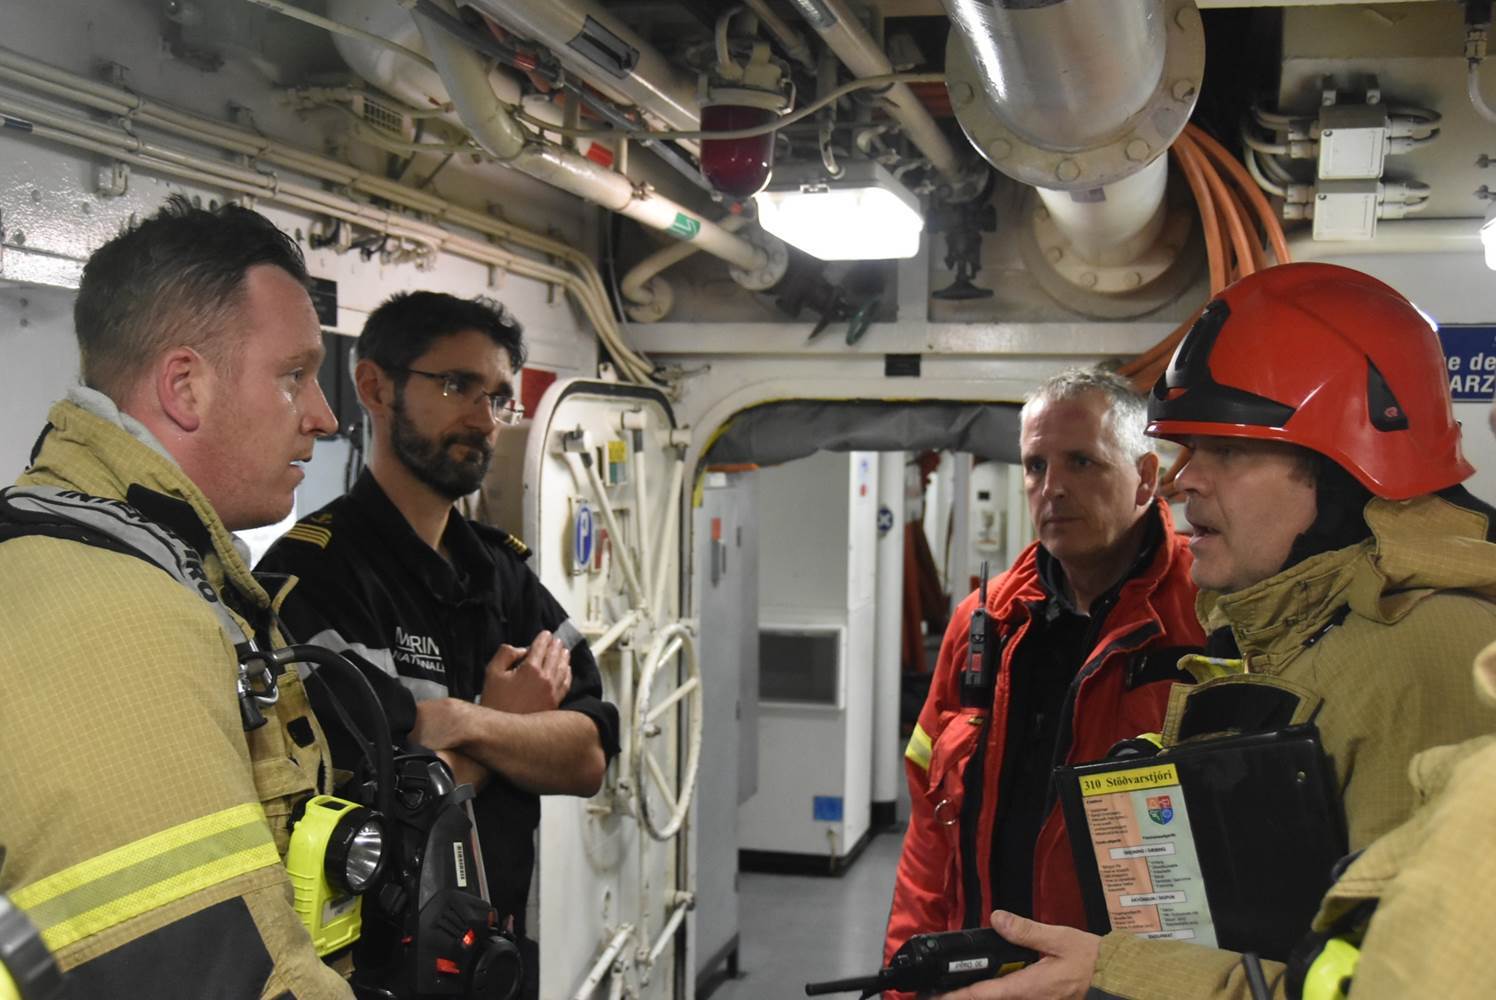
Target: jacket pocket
x: 949, y: 755
x: 280, y: 781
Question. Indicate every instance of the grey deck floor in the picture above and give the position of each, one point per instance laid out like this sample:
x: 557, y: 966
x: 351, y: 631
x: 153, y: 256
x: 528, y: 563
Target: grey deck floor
x: 797, y: 929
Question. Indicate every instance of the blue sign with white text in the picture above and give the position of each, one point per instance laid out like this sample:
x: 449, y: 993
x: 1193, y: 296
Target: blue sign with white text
x: 1470, y: 358
x: 583, y: 537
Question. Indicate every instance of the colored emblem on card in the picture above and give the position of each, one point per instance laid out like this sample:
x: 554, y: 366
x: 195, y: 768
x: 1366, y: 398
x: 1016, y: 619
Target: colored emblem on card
x: 1160, y: 809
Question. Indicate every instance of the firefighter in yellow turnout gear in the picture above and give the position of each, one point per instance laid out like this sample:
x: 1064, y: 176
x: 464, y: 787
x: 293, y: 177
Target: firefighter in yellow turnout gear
x: 144, y: 819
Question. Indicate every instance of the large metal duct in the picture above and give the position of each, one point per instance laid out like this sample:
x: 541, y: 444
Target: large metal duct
x: 417, y: 85
x: 1069, y: 75
x: 1081, y: 99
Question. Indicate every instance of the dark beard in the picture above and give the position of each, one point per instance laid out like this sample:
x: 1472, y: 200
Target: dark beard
x: 431, y: 461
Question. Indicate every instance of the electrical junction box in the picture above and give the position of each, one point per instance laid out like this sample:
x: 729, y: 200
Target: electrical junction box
x: 1352, y: 141
x: 1345, y: 210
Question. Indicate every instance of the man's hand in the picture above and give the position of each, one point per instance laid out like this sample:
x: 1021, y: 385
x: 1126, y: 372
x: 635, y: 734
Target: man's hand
x: 1066, y: 964
x: 529, y: 680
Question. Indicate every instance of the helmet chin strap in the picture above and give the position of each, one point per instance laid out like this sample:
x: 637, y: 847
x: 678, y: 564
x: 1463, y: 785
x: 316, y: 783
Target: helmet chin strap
x: 1339, y: 500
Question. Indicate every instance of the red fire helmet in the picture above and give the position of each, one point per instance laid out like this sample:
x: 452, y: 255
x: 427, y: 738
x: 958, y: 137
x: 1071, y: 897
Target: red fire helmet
x: 1326, y: 358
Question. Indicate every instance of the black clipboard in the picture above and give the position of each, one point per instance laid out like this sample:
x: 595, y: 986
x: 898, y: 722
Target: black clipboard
x: 1265, y: 820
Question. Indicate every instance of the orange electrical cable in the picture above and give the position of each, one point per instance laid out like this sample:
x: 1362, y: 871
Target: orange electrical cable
x: 1234, y: 218
x: 1259, y: 255
x: 1258, y: 201
x: 1241, y: 246
x: 1194, y: 172
x: 1143, y: 369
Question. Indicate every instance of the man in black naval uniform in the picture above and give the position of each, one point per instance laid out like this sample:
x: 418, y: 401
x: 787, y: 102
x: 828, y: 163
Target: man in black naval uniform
x: 442, y: 611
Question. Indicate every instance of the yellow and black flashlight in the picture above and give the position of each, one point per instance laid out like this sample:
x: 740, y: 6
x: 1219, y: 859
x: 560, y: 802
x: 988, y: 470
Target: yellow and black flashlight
x: 338, y: 851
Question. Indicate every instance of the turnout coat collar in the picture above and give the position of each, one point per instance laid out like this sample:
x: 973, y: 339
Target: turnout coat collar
x: 1418, y: 548
x: 84, y: 451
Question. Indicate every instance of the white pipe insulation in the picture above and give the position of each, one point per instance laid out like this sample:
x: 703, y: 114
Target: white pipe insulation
x: 465, y: 75
x: 417, y: 85
x: 1116, y: 226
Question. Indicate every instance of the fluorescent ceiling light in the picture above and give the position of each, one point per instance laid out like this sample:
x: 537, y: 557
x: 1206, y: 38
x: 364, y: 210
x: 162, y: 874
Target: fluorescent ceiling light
x: 1487, y: 237
x: 862, y: 215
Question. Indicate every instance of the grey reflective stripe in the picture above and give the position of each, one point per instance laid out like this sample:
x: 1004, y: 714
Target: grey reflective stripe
x: 329, y: 638
x: 154, y: 542
x: 420, y: 688
x: 424, y: 690
x: 569, y: 634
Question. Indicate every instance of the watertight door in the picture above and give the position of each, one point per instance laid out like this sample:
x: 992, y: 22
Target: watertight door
x: 594, y: 485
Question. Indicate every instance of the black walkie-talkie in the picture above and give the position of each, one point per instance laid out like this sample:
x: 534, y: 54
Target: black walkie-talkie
x: 976, y: 677
x: 937, y: 963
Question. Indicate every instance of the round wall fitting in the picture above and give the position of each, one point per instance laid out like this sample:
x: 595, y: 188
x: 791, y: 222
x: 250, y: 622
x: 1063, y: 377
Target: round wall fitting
x: 1152, y: 280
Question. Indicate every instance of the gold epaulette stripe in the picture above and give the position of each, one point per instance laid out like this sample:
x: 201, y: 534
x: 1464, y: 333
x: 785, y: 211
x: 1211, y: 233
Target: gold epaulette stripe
x: 310, y: 534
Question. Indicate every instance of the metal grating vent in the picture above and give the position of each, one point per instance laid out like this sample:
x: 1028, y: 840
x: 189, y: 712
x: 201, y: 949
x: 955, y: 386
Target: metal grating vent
x: 383, y: 117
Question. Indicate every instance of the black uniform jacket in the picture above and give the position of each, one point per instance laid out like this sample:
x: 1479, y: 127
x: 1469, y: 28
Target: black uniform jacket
x: 373, y: 590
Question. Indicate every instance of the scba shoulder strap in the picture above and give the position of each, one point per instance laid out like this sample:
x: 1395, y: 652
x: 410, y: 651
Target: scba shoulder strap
x: 117, y: 526
x: 110, y: 524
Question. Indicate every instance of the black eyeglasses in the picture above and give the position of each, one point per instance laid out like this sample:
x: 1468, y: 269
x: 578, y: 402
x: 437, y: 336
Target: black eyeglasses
x: 468, y: 388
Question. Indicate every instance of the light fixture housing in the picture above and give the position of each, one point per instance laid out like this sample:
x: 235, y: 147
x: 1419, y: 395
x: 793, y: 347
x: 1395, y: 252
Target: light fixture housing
x: 739, y: 167
x: 1488, y: 235
x: 738, y: 94
x: 861, y: 214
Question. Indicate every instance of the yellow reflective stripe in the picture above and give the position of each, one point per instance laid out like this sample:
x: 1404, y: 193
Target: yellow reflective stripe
x: 150, y: 873
x: 1209, y: 668
x: 918, y: 749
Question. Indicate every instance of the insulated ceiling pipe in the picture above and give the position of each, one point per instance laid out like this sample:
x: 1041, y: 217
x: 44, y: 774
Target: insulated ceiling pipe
x: 603, y: 51
x: 1064, y: 75
x: 465, y: 74
x: 1081, y: 99
x: 415, y: 84
x: 846, y: 37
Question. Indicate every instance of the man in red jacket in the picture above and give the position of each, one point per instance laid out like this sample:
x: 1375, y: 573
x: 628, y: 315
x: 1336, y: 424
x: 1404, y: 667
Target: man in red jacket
x: 1082, y: 639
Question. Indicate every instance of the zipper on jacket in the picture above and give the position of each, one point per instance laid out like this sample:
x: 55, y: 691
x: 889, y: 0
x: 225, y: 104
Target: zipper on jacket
x: 971, y: 805
x: 1131, y: 641
x: 973, y: 779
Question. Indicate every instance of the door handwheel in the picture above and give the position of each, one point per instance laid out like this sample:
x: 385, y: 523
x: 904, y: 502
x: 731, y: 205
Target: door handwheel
x: 685, y: 700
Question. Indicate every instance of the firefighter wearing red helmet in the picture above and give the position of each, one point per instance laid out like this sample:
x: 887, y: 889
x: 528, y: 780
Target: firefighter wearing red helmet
x: 1338, y: 557
x: 1325, y: 358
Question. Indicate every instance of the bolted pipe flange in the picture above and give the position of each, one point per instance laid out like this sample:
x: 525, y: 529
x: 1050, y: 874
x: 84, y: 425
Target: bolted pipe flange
x: 1123, y: 290
x: 1152, y: 264
x: 764, y: 278
x: 1144, y: 136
